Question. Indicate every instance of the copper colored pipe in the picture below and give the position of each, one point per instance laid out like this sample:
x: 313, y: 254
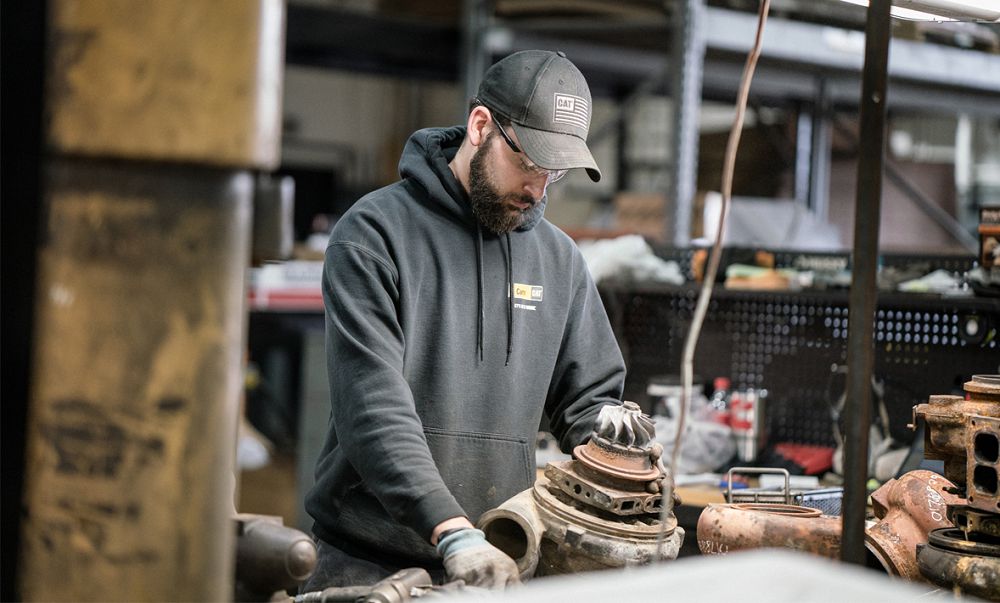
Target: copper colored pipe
x: 726, y: 528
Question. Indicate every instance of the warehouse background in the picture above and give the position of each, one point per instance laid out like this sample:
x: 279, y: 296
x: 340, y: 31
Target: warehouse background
x: 356, y: 85
x: 359, y: 76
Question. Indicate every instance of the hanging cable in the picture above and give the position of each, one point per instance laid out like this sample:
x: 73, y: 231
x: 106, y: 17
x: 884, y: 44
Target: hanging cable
x: 712, y: 268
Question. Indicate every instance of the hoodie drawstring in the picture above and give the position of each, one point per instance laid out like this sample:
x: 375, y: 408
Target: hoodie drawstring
x: 510, y: 300
x: 479, y: 276
x: 510, y: 295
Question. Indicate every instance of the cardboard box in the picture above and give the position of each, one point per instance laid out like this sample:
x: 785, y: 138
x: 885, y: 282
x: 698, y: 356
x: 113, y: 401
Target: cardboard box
x: 989, y: 237
x: 642, y: 213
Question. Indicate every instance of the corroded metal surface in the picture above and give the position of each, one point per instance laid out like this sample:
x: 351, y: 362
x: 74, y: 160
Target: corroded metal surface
x: 516, y: 528
x: 547, y: 533
x: 956, y: 540
x: 965, y: 566
x: 726, y: 528
x: 968, y: 519
x: 197, y: 82
x: 908, y: 509
x: 580, y: 541
x: 985, y: 386
x: 620, y: 444
x: 137, y: 378
x: 618, y: 498
x: 965, y: 434
x: 598, y: 511
x: 945, y: 419
x: 982, y: 443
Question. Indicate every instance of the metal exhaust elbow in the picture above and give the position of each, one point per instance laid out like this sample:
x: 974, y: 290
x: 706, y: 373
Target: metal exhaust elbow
x: 516, y: 529
x: 908, y: 510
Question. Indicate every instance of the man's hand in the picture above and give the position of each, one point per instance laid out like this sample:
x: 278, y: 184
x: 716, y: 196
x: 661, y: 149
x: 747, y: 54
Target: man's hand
x: 469, y: 557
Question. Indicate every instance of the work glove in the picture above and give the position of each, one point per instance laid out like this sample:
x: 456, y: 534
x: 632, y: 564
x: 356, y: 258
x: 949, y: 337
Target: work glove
x: 469, y: 557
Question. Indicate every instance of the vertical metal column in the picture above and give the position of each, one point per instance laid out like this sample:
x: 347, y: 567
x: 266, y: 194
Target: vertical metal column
x: 476, y: 15
x: 157, y: 112
x: 863, y: 295
x: 623, y: 175
x: 820, y: 156
x: 687, y: 56
x: 803, y: 154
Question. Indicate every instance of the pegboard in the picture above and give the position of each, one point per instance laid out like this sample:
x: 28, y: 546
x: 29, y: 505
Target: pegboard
x: 793, y: 343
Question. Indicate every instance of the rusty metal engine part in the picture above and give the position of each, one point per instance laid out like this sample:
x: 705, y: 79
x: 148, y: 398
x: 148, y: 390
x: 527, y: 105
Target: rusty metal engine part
x: 952, y: 560
x: 547, y: 533
x: 620, y: 445
x: 946, y: 420
x: 726, y: 528
x: 971, y: 520
x: 982, y: 441
x: 908, y: 509
x: 965, y: 434
x: 270, y: 557
x: 402, y: 586
x: 598, y: 511
x: 619, y: 469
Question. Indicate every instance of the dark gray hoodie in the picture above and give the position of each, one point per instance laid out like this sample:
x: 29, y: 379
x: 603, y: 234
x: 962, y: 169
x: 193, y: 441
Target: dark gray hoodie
x: 438, y: 378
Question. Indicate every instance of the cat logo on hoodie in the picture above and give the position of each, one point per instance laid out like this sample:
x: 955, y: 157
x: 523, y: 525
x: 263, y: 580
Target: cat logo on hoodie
x: 531, y: 293
x: 527, y: 292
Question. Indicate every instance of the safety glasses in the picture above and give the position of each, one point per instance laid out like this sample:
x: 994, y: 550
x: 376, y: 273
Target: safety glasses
x: 527, y: 166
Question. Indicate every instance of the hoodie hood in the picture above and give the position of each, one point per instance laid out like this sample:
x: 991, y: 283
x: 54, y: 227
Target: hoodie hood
x: 425, y: 160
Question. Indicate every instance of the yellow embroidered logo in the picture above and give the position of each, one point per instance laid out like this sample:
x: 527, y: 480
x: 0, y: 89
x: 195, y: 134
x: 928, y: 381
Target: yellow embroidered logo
x: 527, y: 292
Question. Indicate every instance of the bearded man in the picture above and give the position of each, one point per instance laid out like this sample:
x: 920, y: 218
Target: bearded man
x: 455, y: 316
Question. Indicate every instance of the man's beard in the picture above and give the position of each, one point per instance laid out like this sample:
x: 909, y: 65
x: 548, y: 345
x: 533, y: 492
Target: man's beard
x: 488, y: 205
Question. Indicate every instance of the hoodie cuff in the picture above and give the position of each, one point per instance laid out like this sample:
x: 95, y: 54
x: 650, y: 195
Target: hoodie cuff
x: 430, y: 510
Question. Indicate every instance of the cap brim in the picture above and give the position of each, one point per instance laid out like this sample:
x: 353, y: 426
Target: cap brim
x: 557, y: 151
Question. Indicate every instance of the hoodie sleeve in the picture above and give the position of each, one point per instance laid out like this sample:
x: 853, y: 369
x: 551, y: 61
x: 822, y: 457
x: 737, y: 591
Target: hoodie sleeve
x: 590, y: 370
x: 374, y: 416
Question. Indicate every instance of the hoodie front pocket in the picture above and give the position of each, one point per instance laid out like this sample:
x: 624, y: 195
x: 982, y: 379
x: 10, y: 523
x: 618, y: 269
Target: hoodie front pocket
x: 481, y: 470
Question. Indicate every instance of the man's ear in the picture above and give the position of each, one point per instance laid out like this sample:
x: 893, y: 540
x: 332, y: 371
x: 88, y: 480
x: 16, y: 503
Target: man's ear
x: 479, y: 121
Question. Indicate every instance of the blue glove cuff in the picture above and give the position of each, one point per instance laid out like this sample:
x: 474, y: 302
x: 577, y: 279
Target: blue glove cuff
x: 460, y: 540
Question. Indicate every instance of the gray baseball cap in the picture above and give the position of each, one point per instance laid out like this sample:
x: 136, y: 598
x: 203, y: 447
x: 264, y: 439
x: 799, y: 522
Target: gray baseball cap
x: 548, y: 103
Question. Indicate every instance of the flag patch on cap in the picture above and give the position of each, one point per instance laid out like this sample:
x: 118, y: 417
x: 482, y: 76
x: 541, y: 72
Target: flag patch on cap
x: 572, y: 110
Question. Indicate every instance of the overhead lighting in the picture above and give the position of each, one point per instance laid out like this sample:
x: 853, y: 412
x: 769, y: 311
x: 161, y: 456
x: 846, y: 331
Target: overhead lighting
x: 942, y: 10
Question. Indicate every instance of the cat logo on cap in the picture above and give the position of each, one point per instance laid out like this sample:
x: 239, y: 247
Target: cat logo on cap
x: 572, y: 110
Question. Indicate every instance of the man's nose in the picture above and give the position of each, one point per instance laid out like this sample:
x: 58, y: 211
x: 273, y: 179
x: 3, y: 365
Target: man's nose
x: 535, y: 187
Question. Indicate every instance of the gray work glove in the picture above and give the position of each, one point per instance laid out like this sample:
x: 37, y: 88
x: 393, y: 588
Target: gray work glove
x: 469, y: 557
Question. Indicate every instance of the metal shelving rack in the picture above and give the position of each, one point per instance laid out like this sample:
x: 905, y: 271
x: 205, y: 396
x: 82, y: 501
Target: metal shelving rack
x: 690, y: 51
